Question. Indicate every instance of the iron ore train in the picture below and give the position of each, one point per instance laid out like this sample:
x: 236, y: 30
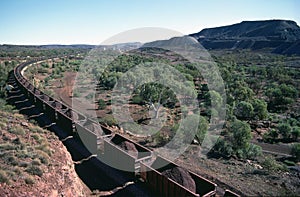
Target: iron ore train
x: 145, y: 166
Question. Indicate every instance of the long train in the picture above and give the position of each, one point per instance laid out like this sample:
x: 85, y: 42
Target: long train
x: 145, y: 166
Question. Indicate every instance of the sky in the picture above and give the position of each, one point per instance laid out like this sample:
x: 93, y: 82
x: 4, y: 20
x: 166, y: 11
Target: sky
x: 37, y: 22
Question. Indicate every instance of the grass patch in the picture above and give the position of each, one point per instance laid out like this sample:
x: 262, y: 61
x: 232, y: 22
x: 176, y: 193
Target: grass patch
x: 36, y: 162
x: 36, y: 129
x: 3, y: 125
x: 7, y: 146
x: 18, y: 116
x: 3, y: 177
x: 43, y: 157
x: 23, y: 164
x: 37, y: 137
x: 18, y: 130
x: 29, y: 180
x: 45, y: 148
x: 34, y: 170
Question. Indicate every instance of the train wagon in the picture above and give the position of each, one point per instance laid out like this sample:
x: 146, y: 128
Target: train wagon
x: 152, y: 173
x: 126, y: 160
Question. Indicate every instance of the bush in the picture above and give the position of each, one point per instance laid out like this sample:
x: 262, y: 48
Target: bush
x: 101, y: 104
x: 18, y: 130
x: 137, y: 99
x: 296, y: 151
x: 12, y: 160
x: 240, y: 134
x: 29, y: 180
x: 109, y: 120
x: 295, y: 132
x: 252, y: 151
x: 285, y: 130
x: 36, y: 129
x: 270, y: 136
x: 45, y: 148
x: 35, y: 162
x: 3, y: 177
x: 44, y: 157
x: 90, y: 96
x: 222, y: 146
x: 271, y: 164
x: 34, y: 170
x: 36, y: 137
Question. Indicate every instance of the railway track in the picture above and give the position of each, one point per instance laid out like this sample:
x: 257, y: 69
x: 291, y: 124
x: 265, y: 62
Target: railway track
x: 97, y: 151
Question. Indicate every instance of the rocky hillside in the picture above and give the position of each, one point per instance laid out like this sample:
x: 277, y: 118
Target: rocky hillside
x: 281, y: 36
x: 33, y: 162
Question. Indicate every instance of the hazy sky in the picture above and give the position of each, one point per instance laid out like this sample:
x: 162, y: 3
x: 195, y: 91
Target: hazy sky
x: 92, y: 21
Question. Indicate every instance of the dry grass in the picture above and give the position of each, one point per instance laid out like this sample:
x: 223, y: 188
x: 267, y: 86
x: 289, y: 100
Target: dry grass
x: 18, y: 130
x: 24, y: 150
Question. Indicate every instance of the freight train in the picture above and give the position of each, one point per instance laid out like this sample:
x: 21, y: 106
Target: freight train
x: 145, y: 166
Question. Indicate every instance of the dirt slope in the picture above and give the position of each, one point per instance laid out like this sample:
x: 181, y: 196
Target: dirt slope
x: 33, y: 162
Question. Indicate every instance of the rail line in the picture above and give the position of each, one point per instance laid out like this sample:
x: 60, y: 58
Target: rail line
x: 145, y: 167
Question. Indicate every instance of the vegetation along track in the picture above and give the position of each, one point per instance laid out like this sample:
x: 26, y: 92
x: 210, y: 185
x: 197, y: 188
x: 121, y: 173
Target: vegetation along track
x: 70, y: 125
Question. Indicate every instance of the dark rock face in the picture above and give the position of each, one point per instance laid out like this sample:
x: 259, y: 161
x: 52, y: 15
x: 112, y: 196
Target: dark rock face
x: 182, y: 177
x: 280, y: 35
x: 130, y: 148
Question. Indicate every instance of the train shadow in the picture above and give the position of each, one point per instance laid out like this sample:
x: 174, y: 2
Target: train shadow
x: 95, y: 174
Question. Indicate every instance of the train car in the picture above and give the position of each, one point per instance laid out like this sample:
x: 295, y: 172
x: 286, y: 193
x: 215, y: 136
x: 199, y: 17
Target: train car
x: 152, y: 174
x: 128, y: 161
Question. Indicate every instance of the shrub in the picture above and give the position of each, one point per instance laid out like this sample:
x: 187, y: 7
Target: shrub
x: 35, y: 162
x: 296, y: 151
x: 12, y: 160
x: 45, y: 148
x: 101, y: 104
x: 252, y: 151
x: 7, y: 146
x: 3, y: 125
x: 137, y: 99
x: 159, y: 139
x: 271, y: 164
x: 44, y: 157
x: 36, y: 136
x: 223, y: 147
x: 3, y: 177
x: 36, y: 129
x: 270, y: 136
x: 29, y: 180
x: 34, y: 170
x: 295, y: 132
x: 23, y: 164
x: 285, y: 130
x: 109, y: 120
x: 90, y: 96
x: 18, y: 130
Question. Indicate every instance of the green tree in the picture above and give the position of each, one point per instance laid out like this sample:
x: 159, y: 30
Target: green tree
x: 279, y: 96
x: 157, y: 95
x: 213, y: 99
x: 285, y: 130
x: 260, y: 109
x: 244, y: 110
x: 273, y: 134
x: 202, y: 129
x: 242, y: 92
x: 295, y: 132
x: 240, y: 134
